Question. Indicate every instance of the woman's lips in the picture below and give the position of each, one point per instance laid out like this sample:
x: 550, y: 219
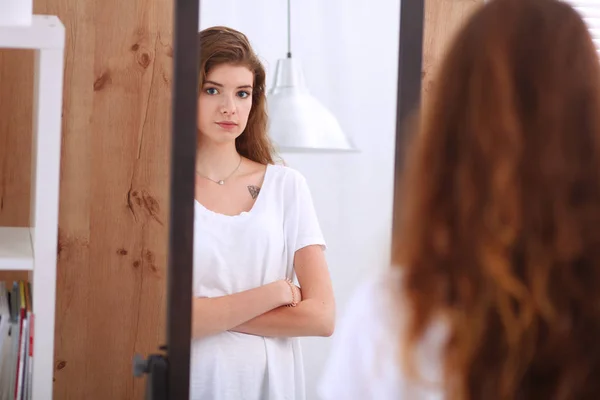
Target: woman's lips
x: 227, y: 125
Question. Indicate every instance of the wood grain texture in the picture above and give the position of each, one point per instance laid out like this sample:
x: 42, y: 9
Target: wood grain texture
x: 443, y: 19
x: 111, y: 298
x: 16, y: 100
x: 115, y: 195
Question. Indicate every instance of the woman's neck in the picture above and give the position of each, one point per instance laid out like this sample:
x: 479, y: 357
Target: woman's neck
x: 216, y: 161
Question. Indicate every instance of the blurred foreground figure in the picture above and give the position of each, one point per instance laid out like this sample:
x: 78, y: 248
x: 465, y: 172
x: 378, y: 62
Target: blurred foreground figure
x: 494, y: 291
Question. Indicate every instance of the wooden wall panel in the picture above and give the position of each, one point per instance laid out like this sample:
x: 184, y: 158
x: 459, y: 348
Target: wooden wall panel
x: 16, y: 92
x: 114, y: 187
x: 443, y: 19
x: 113, y: 225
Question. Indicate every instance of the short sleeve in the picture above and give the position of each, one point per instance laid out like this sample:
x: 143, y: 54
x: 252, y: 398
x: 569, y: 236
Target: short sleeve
x: 302, y: 221
x: 361, y: 364
x: 364, y: 362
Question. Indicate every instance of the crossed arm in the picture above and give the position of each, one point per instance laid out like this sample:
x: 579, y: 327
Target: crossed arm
x: 260, y: 311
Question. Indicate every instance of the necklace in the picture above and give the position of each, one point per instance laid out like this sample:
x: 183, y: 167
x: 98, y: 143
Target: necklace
x: 222, y: 181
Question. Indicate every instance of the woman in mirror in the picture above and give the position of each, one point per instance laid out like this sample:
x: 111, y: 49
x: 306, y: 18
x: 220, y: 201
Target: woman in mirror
x: 256, y: 233
x: 494, y: 293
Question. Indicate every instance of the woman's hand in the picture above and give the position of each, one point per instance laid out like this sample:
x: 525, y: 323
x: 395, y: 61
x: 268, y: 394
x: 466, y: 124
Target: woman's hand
x: 218, y: 314
x: 314, y: 316
x: 293, y: 294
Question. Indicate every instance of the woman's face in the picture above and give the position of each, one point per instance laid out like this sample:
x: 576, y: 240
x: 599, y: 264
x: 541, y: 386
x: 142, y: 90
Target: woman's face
x: 224, y: 103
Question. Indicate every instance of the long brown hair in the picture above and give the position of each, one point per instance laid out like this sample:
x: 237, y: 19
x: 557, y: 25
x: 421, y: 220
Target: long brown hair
x: 223, y: 45
x: 500, y: 231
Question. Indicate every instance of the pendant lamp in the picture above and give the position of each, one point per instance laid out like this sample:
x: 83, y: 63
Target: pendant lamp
x: 298, y: 122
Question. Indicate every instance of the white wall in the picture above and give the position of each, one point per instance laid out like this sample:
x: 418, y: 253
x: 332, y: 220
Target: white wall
x: 348, y: 50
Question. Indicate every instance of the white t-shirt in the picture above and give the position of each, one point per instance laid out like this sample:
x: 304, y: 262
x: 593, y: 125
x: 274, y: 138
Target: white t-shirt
x: 365, y: 358
x: 237, y: 253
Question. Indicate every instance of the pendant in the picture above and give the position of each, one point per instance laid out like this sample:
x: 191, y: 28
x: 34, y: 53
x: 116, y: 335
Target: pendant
x: 221, y: 182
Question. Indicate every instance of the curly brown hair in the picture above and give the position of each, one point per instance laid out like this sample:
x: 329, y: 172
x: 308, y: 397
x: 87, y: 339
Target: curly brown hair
x: 222, y: 45
x: 500, y: 226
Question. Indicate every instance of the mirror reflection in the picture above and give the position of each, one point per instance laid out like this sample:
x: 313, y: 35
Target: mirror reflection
x: 294, y: 187
x: 256, y: 233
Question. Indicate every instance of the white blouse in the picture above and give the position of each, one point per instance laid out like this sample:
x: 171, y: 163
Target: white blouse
x: 365, y: 359
x: 237, y: 253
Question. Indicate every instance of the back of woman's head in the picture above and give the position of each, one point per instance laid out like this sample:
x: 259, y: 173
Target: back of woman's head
x: 500, y: 235
x: 222, y: 45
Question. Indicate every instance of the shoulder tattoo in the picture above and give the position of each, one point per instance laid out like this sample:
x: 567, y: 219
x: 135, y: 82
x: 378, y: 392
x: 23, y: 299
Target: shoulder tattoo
x: 254, y: 191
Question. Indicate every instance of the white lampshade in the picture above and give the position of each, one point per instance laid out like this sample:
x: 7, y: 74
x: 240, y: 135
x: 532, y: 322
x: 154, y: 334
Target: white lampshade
x: 298, y: 122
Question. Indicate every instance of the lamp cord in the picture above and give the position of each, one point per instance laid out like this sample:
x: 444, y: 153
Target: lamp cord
x: 289, y: 23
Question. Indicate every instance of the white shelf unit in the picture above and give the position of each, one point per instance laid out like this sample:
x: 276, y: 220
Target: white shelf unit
x: 35, y: 248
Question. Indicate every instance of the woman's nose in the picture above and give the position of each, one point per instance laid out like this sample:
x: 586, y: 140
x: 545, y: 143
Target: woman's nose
x: 228, y: 105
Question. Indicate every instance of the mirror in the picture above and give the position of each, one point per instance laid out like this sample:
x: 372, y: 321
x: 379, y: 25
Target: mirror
x: 257, y: 225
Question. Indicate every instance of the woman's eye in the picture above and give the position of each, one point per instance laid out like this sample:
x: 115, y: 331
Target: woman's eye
x: 243, y: 94
x: 211, y: 91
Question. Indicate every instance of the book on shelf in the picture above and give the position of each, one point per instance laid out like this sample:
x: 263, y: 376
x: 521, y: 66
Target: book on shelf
x: 16, y: 340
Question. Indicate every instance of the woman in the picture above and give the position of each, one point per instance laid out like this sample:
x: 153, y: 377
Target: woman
x: 255, y: 231
x: 498, y: 292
